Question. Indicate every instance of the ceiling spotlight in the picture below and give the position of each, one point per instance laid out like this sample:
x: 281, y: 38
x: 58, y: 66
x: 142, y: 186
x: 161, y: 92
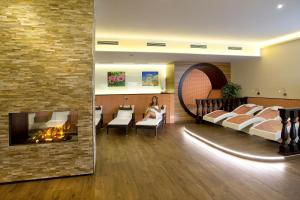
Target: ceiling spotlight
x: 279, y: 6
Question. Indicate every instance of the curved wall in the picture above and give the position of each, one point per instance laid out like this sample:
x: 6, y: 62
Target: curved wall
x: 196, y: 86
x: 180, y: 115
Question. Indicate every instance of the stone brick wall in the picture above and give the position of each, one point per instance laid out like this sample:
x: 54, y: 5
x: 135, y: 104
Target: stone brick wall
x: 46, y: 64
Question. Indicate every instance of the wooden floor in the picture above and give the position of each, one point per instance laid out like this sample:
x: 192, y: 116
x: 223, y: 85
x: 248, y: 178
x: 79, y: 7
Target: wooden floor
x: 174, y: 166
x: 235, y: 140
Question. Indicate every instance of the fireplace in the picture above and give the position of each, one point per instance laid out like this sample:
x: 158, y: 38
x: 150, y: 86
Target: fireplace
x: 42, y: 127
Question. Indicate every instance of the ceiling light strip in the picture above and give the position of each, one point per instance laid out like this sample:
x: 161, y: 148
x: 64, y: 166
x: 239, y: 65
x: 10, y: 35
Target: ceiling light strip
x: 279, y: 40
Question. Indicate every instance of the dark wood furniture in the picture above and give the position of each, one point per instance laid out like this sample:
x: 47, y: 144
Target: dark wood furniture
x: 205, y: 106
x: 289, y: 145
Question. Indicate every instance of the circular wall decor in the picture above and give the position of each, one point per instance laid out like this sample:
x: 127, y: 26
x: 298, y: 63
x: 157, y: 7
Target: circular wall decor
x: 213, y: 74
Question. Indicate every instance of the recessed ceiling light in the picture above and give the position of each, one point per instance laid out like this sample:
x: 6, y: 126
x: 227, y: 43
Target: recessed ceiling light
x: 279, y: 6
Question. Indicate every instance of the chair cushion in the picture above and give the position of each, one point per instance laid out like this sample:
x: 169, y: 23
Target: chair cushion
x: 269, y: 113
x: 149, y: 122
x: 216, y: 113
x: 97, y: 116
x: 124, y: 114
x: 120, y: 121
x: 239, y: 119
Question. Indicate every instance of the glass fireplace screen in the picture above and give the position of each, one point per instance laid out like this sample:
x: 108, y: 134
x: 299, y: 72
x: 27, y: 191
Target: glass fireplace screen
x: 42, y: 127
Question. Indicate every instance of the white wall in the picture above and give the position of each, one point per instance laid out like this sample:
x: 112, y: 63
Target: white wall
x: 277, y: 69
x: 133, y: 73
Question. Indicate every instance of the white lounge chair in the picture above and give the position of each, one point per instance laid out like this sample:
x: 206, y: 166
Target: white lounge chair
x: 240, y: 122
x: 58, y: 119
x: 124, y: 118
x: 99, y: 116
x: 153, y: 123
x: 219, y: 115
x: 270, y: 129
x: 37, y: 121
x: 31, y: 124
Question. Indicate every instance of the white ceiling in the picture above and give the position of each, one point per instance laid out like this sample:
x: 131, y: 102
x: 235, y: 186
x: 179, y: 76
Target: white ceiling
x: 236, y: 21
x: 225, y: 20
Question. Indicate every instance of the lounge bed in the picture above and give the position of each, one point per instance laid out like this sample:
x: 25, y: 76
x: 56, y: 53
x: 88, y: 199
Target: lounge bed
x: 219, y: 115
x: 37, y: 121
x: 99, y: 117
x: 58, y: 119
x: 269, y: 129
x: 124, y: 118
x: 153, y: 123
x: 240, y: 122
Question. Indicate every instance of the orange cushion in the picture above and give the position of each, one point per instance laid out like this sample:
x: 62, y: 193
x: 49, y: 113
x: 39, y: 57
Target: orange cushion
x: 270, y: 126
x: 239, y: 119
x: 243, y: 109
x: 269, y: 114
x: 216, y: 113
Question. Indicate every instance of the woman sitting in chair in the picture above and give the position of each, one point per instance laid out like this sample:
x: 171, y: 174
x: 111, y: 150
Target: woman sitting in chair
x: 153, y: 111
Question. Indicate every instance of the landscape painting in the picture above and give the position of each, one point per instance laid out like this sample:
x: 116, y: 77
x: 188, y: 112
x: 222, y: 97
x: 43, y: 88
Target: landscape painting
x: 116, y: 79
x: 150, y: 79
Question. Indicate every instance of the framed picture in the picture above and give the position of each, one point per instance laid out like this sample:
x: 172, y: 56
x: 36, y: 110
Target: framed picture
x: 150, y: 79
x: 116, y: 79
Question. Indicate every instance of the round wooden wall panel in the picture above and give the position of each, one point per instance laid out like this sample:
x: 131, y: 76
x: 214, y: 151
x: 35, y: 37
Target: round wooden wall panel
x: 196, y: 83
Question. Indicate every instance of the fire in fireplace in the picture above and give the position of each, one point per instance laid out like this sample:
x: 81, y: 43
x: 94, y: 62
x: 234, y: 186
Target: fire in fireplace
x: 42, y: 127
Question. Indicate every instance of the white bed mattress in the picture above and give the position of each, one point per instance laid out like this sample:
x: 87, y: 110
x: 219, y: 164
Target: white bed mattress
x: 123, y: 118
x: 270, y: 135
x: 97, y: 116
x: 120, y: 121
x: 243, y: 121
x: 243, y: 125
x: 149, y: 122
x: 226, y: 115
x: 58, y: 119
x: 219, y: 118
